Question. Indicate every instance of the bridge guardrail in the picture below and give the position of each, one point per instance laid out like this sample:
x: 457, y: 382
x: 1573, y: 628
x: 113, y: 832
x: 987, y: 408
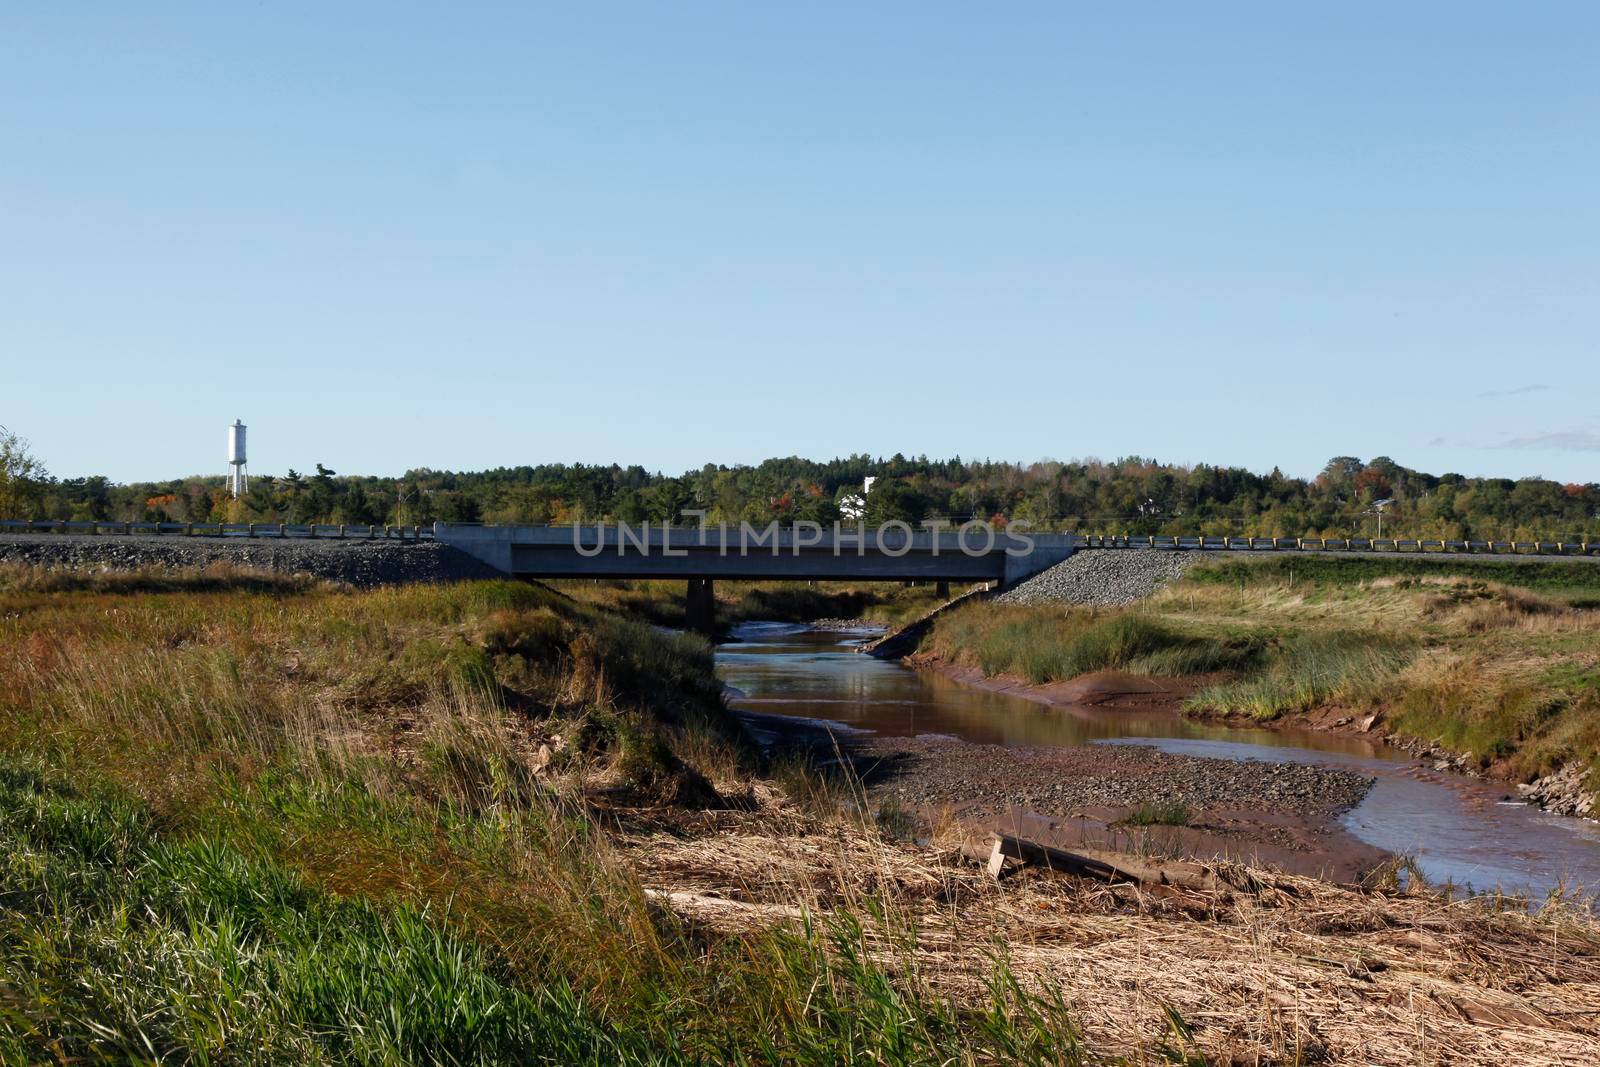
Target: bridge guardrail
x: 312, y: 531
x: 1230, y: 543
x: 1405, y: 545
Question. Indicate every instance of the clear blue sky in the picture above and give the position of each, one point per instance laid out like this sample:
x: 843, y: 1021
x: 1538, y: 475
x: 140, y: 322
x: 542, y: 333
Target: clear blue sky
x: 393, y: 235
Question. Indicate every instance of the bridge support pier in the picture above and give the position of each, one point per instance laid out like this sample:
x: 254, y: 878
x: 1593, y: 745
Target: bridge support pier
x: 700, y: 608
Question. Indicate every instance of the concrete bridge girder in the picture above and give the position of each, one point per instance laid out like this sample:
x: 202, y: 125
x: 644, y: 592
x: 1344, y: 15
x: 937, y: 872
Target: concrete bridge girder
x: 749, y: 553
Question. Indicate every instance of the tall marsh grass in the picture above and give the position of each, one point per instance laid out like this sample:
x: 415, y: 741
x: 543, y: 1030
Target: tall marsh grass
x: 119, y: 945
x: 1047, y: 644
x: 1502, y: 674
x: 1309, y: 671
x: 311, y: 825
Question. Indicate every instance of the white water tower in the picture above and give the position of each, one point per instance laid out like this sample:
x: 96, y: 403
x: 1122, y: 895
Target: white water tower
x: 238, y: 479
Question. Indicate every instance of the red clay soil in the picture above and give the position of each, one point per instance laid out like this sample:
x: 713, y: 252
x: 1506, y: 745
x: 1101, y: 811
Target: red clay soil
x: 1102, y: 689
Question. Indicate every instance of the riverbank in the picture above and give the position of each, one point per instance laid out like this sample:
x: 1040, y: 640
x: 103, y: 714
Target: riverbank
x: 1097, y: 689
x: 935, y: 795
x: 1269, y: 968
x: 1484, y: 678
x: 1568, y: 791
x: 1281, y: 814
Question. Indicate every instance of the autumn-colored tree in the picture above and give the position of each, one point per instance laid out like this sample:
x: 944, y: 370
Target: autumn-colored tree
x: 1132, y: 495
x: 21, y: 478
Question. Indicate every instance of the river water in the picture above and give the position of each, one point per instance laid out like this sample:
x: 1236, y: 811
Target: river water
x: 1457, y: 828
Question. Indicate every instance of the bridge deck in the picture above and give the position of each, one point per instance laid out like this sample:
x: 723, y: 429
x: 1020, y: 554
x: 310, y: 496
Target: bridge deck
x: 756, y: 553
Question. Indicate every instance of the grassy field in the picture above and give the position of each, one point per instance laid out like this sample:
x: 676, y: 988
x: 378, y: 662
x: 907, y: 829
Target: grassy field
x: 1506, y: 674
x: 1574, y: 583
x: 248, y: 820
x: 254, y: 820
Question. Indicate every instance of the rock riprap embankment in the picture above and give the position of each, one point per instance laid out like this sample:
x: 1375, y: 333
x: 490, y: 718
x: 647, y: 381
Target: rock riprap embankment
x: 1104, y: 576
x: 1565, y: 792
x: 360, y: 563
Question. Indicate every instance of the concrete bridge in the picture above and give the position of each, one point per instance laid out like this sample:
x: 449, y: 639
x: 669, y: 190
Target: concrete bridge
x: 700, y: 555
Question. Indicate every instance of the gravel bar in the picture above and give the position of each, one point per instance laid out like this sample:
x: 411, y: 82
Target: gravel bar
x: 1058, y: 781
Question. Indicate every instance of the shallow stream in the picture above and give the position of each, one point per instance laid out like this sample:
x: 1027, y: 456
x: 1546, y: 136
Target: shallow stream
x: 1457, y: 828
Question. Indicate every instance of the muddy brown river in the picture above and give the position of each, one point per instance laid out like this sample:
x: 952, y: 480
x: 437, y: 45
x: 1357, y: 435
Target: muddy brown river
x: 1457, y: 828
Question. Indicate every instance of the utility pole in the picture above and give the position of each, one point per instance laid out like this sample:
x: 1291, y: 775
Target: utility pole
x: 1377, y: 509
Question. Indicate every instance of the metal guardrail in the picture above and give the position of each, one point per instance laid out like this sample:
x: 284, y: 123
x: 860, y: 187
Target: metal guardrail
x: 1339, y: 544
x: 350, y: 531
x: 314, y: 531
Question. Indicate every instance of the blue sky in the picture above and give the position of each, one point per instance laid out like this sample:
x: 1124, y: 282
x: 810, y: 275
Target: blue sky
x: 391, y: 235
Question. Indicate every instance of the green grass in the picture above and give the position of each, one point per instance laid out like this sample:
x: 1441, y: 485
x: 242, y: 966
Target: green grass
x: 1445, y: 652
x: 1046, y: 644
x: 1490, y: 724
x: 246, y: 825
x: 116, y: 944
x: 1310, y: 670
x: 1159, y: 813
x: 1506, y: 676
x: 1578, y: 578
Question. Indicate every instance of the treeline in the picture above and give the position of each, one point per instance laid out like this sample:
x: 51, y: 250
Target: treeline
x: 1130, y: 495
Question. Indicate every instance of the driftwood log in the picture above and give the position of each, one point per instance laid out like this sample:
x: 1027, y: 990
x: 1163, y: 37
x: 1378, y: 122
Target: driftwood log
x: 1103, y: 866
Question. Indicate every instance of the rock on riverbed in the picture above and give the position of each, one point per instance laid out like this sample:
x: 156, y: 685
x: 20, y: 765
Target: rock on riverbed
x: 360, y: 563
x: 1104, y: 576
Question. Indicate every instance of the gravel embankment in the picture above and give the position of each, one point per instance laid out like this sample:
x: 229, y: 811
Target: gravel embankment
x: 360, y: 563
x: 1104, y: 576
x: 1057, y: 781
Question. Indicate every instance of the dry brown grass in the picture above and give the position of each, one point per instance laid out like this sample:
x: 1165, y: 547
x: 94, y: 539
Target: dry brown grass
x: 1297, y: 970
x: 383, y: 766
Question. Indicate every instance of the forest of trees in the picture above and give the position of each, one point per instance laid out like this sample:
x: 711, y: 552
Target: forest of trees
x: 1129, y: 495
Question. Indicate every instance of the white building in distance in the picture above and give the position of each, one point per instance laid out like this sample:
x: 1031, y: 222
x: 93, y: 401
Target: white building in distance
x: 854, y: 506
